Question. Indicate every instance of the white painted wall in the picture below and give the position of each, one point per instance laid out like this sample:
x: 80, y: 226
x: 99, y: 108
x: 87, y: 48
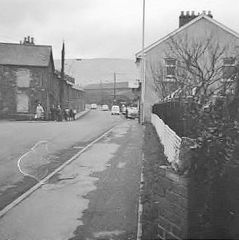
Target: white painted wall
x: 169, y: 139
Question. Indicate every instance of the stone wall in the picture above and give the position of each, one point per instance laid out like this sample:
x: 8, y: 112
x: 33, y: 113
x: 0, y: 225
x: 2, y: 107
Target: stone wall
x: 172, y: 222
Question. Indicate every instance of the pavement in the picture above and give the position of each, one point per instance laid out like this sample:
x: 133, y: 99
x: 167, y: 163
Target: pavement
x: 93, y: 197
x: 81, y: 114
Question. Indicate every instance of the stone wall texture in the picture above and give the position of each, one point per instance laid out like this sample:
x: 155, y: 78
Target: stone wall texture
x: 22, y: 88
x: 172, y: 222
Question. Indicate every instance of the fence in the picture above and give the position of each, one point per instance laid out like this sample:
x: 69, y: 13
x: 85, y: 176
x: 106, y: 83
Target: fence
x: 177, y: 115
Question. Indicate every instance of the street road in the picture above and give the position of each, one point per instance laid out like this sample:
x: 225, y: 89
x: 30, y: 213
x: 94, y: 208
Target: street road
x: 63, y: 139
x: 94, y: 197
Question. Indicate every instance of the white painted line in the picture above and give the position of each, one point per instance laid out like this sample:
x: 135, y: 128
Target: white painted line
x: 40, y: 183
x: 140, y: 205
x: 78, y: 147
x: 24, y: 155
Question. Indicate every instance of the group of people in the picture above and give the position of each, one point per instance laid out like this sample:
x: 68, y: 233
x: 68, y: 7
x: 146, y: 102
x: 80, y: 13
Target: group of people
x: 56, y: 113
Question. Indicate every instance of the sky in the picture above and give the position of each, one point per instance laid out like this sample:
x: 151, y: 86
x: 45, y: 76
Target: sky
x: 102, y: 28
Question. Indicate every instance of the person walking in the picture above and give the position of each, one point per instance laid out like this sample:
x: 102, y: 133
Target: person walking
x: 39, y: 112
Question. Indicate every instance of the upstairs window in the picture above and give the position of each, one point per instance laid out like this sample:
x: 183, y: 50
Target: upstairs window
x: 228, y: 69
x: 170, y: 68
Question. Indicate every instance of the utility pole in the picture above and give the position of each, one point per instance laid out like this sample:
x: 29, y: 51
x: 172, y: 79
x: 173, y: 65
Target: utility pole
x: 62, y: 75
x: 101, y: 93
x: 114, y: 86
x: 143, y: 66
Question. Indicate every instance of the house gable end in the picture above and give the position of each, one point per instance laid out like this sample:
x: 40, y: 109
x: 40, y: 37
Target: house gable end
x: 184, y: 28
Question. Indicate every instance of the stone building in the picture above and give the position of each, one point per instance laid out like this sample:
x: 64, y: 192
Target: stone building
x: 27, y: 77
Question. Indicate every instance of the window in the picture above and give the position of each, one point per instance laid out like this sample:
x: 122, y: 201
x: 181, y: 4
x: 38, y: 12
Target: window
x: 23, y: 78
x: 228, y: 68
x: 170, y: 68
x: 22, y: 102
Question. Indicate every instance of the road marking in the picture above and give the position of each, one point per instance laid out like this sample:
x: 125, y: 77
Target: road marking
x: 40, y: 183
x: 78, y: 147
x: 140, y: 205
x: 25, y: 154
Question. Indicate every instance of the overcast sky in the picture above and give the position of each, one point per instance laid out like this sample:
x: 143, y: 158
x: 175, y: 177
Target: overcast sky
x: 102, y: 28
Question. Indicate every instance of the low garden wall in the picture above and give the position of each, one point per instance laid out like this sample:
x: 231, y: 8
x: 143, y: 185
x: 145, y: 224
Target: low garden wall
x: 189, y: 208
x: 170, y: 140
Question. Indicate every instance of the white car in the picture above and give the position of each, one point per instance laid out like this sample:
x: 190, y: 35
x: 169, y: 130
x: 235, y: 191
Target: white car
x: 115, y: 110
x: 105, y: 108
x: 132, y: 112
x: 93, y: 106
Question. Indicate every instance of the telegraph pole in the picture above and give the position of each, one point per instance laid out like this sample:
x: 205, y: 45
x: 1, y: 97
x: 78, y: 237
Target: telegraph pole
x: 114, y: 86
x: 62, y: 74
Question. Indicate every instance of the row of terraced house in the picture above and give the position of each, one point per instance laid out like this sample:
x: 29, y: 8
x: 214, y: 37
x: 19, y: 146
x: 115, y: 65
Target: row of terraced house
x: 28, y: 77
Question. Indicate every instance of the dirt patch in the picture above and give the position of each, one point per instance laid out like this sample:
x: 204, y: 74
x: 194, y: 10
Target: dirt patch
x: 153, y: 158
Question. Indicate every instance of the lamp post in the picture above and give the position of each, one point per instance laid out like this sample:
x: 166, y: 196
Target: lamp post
x: 143, y: 66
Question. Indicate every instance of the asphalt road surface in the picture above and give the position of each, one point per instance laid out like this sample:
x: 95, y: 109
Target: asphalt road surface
x: 54, y: 143
x: 93, y: 197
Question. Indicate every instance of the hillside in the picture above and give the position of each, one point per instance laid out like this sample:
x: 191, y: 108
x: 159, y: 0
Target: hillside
x: 88, y: 71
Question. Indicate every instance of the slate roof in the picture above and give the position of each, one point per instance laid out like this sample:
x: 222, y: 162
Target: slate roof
x: 25, y: 55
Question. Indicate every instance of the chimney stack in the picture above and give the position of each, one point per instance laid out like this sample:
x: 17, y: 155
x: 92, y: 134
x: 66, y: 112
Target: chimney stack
x: 28, y: 41
x: 209, y: 14
x: 186, y: 18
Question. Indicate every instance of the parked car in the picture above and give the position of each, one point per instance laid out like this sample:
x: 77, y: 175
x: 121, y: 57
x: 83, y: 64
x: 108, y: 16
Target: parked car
x: 123, y: 109
x: 132, y: 112
x: 115, y: 110
x: 93, y: 106
x: 105, y: 107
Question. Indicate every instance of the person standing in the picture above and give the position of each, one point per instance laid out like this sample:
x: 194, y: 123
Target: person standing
x: 59, y: 113
x: 53, y: 113
x: 39, y: 112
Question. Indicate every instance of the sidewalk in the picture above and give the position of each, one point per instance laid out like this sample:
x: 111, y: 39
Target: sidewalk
x: 81, y: 114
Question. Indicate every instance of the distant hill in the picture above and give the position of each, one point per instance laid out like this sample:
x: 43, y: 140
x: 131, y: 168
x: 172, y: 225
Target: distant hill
x: 96, y: 70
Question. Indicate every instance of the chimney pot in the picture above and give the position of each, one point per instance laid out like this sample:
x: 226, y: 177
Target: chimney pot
x: 204, y: 12
x: 192, y: 13
x: 28, y: 39
x: 182, y: 13
x: 32, y: 40
x: 187, y: 13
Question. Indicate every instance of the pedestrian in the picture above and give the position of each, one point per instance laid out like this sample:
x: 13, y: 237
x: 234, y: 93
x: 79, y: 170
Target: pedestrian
x: 39, y: 112
x: 59, y: 113
x: 71, y: 114
x: 66, y: 114
x: 74, y: 114
x: 126, y: 112
x: 53, y: 112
